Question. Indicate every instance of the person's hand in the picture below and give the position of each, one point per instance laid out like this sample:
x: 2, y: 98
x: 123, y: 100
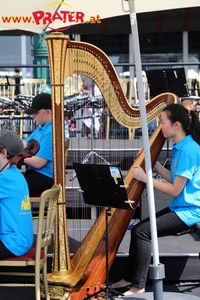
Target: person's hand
x: 139, y: 152
x: 139, y: 174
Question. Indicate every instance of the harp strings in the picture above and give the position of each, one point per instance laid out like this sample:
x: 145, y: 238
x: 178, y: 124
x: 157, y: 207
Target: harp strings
x: 82, y: 60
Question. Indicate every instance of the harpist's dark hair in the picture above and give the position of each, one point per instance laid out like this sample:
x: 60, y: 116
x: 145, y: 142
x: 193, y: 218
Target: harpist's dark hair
x: 188, y: 119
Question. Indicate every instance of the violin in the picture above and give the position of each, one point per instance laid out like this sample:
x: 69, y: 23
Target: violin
x: 31, y: 149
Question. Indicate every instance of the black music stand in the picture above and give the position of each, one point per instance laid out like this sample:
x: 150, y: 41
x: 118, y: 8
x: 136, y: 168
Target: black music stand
x: 103, y: 185
x: 91, y: 104
x: 168, y: 80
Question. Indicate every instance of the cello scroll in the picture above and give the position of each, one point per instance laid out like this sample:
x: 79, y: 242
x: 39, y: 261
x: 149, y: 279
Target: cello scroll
x: 31, y: 149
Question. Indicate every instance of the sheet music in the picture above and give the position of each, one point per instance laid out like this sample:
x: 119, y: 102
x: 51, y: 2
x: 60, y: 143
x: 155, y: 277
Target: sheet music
x: 115, y: 172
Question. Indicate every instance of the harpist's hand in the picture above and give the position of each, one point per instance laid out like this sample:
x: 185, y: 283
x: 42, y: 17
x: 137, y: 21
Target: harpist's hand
x: 139, y: 152
x: 139, y: 174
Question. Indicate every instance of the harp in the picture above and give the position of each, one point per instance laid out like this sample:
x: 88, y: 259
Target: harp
x: 85, y: 271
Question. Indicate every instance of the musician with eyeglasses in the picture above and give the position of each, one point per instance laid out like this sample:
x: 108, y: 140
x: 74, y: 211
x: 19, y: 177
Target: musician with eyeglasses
x: 16, y: 227
x: 39, y: 173
x: 182, y: 183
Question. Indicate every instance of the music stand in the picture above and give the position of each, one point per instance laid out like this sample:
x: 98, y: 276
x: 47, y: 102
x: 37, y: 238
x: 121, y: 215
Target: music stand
x: 103, y: 185
x: 92, y: 117
x: 168, y: 80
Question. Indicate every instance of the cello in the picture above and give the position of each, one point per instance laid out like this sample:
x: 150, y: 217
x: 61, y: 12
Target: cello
x: 31, y: 149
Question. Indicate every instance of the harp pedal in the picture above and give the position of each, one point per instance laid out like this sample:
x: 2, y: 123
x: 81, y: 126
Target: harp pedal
x: 80, y: 190
x: 95, y: 292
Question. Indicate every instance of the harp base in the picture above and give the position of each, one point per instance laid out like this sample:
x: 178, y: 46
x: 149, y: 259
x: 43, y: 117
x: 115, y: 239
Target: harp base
x: 107, y: 290
x: 58, y: 291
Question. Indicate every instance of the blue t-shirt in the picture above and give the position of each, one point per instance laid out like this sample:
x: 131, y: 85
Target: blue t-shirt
x: 186, y: 163
x: 43, y: 134
x: 16, y: 226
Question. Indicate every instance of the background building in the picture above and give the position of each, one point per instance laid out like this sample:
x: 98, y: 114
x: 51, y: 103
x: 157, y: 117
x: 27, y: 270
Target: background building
x: 170, y: 36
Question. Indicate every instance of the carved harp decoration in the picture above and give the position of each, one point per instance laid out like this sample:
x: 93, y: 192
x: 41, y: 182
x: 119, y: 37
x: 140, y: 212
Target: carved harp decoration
x: 86, y: 270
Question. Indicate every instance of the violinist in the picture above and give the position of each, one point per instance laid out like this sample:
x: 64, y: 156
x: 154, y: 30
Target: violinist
x: 16, y: 229
x: 39, y: 173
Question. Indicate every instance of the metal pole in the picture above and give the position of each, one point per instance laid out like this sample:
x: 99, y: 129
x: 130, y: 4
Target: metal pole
x: 156, y: 270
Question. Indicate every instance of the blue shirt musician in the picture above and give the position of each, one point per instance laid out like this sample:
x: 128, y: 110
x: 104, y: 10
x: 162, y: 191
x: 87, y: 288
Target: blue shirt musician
x: 16, y: 228
x: 39, y: 173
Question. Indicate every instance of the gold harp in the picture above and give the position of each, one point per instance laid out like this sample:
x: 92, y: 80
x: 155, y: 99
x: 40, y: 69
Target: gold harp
x: 85, y: 271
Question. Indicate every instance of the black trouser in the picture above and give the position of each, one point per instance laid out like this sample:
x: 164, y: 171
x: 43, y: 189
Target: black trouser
x: 4, y: 252
x: 37, y: 182
x: 168, y: 223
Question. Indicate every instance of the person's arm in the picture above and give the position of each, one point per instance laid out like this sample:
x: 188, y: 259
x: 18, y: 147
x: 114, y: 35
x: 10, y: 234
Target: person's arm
x: 162, y: 171
x: 35, y: 162
x: 169, y: 189
x: 44, y: 154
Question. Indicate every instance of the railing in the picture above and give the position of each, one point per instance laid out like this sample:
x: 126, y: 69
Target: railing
x: 126, y: 66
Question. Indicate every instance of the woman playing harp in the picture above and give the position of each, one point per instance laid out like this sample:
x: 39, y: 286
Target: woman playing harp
x: 184, y: 177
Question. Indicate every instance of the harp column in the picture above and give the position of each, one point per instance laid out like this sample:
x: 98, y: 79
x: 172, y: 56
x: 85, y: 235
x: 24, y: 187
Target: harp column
x: 61, y: 266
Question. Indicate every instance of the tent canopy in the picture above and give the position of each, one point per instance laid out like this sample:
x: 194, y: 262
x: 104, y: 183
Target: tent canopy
x: 36, y: 16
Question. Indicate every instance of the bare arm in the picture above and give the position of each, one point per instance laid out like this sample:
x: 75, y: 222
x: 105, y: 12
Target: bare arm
x: 162, y: 171
x: 169, y: 189
x: 35, y: 161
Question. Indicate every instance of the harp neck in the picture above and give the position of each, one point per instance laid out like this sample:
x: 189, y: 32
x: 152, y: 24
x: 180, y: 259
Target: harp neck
x: 86, y: 59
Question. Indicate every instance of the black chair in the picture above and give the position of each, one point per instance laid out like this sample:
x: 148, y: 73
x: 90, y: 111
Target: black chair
x: 196, y: 228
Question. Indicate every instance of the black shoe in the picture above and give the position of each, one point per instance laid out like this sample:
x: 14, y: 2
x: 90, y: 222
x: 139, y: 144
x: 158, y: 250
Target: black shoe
x: 123, y: 289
